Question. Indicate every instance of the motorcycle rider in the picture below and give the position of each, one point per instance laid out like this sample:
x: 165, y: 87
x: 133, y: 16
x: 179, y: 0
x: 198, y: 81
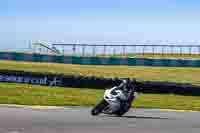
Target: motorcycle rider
x: 118, y: 99
x: 126, y: 85
x: 124, y: 99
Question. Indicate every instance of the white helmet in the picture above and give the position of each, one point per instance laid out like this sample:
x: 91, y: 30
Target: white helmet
x: 124, y: 81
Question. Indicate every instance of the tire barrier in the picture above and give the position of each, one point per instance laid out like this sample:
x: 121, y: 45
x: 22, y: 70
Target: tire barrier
x: 77, y: 81
x: 170, y: 88
x: 99, y: 60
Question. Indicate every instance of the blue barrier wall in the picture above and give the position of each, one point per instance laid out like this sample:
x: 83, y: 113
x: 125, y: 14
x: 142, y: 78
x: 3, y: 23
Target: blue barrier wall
x: 99, y: 60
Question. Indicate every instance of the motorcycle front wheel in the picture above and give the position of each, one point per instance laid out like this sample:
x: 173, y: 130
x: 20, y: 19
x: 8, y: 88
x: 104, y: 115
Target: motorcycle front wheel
x: 99, y: 107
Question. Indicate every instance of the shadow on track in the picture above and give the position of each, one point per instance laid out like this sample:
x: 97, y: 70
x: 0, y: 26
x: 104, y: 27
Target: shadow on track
x: 145, y: 117
x: 140, y: 117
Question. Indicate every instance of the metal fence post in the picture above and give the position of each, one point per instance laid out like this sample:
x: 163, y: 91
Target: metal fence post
x: 94, y: 50
x: 83, y: 50
x: 143, y: 49
x: 190, y: 50
x: 162, y: 50
x: 63, y: 50
x: 124, y: 50
x: 74, y: 49
x: 153, y: 50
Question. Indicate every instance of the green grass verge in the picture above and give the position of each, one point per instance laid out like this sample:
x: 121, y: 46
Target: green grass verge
x: 170, y: 74
x: 11, y: 93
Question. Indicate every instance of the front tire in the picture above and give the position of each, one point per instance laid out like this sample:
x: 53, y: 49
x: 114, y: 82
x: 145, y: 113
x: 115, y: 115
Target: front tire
x: 99, y: 108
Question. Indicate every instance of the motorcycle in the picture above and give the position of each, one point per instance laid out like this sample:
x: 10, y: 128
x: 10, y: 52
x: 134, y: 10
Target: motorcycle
x: 117, y: 100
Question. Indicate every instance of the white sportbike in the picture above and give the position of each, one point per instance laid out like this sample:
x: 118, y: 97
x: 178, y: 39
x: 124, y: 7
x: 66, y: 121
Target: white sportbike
x: 116, y: 100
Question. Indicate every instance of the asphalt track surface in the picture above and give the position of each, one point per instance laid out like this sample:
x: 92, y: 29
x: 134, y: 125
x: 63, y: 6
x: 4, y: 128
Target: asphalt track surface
x: 79, y: 120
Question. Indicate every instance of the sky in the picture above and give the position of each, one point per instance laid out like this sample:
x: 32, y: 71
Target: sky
x: 96, y: 21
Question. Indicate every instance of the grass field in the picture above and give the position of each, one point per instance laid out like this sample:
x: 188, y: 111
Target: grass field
x: 171, y: 74
x: 11, y: 93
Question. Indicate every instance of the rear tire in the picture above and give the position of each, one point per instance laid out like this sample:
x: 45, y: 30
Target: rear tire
x: 123, y: 110
x: 99, y: 107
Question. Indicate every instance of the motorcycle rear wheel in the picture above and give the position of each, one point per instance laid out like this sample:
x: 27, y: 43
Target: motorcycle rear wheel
x: 123, y: 110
